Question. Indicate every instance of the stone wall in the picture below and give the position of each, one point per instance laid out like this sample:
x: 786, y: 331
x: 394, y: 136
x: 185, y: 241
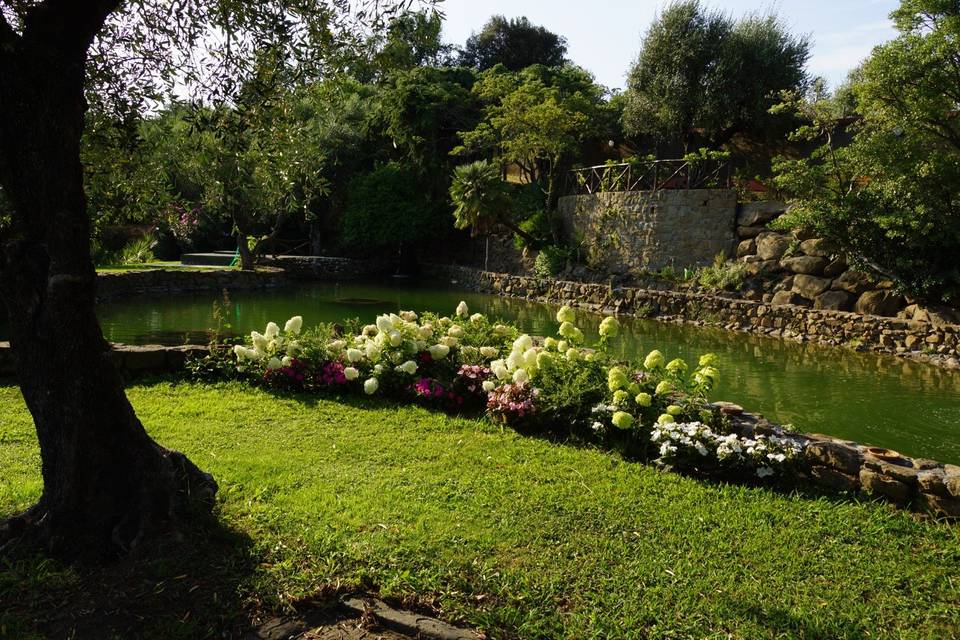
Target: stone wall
x: 924, y: 340
x: 837, y: 465
x: 279, y: 273
x: 640, y: 231
x: 148, y: 358
x: 799, y: 269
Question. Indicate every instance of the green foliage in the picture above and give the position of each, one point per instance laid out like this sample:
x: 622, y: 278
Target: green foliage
x: 538, y: 120
x: 139, y: 251
x: 700, y: 72
x: 387, y: 208
x: 516, y: 44
x: 551, y: 261
x: 892, y: 196
x: 722, y: 274
x: 480, y: 197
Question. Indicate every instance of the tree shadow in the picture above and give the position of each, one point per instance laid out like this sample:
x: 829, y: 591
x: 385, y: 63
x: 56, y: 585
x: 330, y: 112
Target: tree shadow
x: 780, y: 622
x: 197, y: 584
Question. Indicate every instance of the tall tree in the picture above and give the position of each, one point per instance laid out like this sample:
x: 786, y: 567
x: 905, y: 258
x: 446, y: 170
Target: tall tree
x: 515, y: 43
x: 891, y: 197
x: 700, y: 73
x: 537, y: 119
x: 107, y: 484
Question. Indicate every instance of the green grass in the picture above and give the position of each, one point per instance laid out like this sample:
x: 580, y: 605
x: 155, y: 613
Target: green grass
x: 519, y: 536
x: 175, y: 264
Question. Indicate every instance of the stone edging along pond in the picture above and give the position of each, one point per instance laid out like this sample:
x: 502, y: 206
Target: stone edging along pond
x: 830, y: 464
x: 924, y: 341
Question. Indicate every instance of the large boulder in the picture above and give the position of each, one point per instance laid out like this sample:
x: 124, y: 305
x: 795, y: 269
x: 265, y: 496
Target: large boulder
x: 772, y: 246
x: 805, y: 264
x: 752, y: 214
x: 749, y: 232
x: 880, y: 303
x: 786, y: 297
x: 835, y: 268
x: 842, y: 457
x: 762, y: 267
x: 818, y: 248
x: 833, y: 301
x: 890, y: 488
x: 855, y: 282
x: 746, y: 248
x: 810, y: 286
x: 941, y: 316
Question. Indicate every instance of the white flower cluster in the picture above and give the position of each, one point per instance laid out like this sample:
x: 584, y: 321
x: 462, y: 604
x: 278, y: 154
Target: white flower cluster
x: 276, y: 348
x: 695, y: 442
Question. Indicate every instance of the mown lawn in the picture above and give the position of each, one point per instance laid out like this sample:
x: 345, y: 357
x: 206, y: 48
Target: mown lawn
x: 518, y: 536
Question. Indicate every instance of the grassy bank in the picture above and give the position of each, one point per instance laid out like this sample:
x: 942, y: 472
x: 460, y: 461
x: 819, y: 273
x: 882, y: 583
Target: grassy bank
x: 518, y: 536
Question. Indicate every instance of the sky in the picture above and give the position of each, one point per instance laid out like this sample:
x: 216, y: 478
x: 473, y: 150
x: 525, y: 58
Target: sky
x: 604, y: 36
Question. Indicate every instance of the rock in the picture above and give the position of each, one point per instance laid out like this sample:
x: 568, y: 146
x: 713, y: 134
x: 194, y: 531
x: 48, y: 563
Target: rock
x: 759, y: 213
x: 919, y: 314
x: 746, y: 248
x: 804, y: 264
x: 786, y: 297
x: 784, y: 285
x: 835, y: 268
x: 833, y: 301
x: 939, y: 505
x: 762, y: 268
x: 772, y: 246
x: 818, y: 248
x: 925, y: 464
x: 803, y: 234
x: 952, y: 483
x: 906, y: 475
x: 855, y: 282
x: 749, y: 232
x: 911, y: 342
x: 932, y: 481
x: 810, y: 286
x: 942, y: 316
x: 833, y: 479
x: 841, y: 457
x: 879, y: 484
x: 880, y: 303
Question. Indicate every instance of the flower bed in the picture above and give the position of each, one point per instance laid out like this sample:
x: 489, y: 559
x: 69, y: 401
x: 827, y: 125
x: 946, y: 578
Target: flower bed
x: 467, y: 363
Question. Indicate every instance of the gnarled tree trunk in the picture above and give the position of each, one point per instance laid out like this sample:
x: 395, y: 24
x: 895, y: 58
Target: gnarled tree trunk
x: 107, y: 485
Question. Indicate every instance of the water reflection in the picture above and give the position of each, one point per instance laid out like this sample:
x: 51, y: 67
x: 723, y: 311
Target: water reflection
x: 904, y: 405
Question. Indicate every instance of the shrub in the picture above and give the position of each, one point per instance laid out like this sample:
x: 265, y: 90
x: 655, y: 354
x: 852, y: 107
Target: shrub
x: 139, y: 251
x: 551, y: 261
x: 722, y: 274
x: 466, y: 362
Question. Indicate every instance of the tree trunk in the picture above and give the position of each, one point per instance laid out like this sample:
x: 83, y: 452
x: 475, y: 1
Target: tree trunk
x: 106, y: 484
x: 246, y: 256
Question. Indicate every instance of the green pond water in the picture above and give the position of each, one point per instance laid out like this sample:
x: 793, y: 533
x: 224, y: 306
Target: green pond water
x: 911, y: 407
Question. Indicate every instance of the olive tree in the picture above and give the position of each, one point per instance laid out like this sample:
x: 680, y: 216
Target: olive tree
x: 106, y: 484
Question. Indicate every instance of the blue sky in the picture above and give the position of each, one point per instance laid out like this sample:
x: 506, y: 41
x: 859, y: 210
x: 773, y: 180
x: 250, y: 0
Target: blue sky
x: 604, y: 35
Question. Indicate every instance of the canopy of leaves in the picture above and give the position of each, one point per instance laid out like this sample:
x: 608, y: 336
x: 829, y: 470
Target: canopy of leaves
x: 480, y: 197
x: 892, y: 196
x: 514, y: 43
x: 387, y: 208
x: 699, y: 72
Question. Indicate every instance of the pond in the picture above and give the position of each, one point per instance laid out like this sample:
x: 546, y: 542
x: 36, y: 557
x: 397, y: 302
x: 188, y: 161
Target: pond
x: 908, y: 406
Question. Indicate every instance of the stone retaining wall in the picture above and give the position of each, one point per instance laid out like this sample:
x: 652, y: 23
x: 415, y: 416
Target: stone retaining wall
x: 150, y: 358
x: 634, y: 231
x: 837, y: 465
x: 937, y: 344
x: 276, y: 274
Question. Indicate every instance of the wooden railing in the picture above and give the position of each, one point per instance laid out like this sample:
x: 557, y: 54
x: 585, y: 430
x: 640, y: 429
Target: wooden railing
x: 650, y: 175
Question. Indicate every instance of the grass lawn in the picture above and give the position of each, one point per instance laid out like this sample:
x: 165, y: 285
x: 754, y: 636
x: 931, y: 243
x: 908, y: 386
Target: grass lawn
x: 518, y: 536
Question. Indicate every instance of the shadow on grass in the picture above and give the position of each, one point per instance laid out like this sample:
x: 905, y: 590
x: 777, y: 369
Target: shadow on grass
x: 197, y: 587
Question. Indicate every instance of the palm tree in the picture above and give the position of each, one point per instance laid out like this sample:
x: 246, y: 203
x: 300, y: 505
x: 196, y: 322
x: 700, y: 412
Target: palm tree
x: 481, y: 200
